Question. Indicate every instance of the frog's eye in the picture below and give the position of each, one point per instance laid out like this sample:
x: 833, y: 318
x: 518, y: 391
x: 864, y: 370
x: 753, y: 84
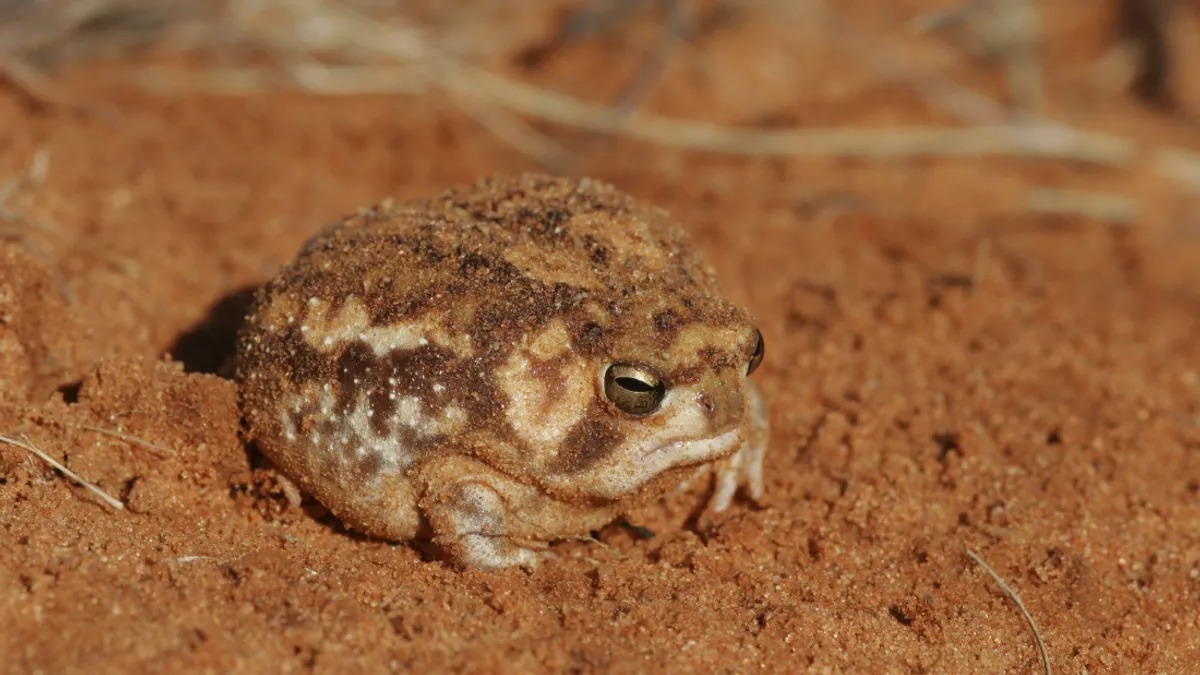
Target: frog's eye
x: 760, y: 348
x: 633, y: 389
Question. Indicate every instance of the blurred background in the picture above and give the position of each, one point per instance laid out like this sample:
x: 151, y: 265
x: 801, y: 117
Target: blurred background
x: 262, y: 119
x: 722, y: 76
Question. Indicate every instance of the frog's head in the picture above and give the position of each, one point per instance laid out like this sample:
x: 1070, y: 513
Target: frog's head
x: 604, y: 405
x: 627, y: 361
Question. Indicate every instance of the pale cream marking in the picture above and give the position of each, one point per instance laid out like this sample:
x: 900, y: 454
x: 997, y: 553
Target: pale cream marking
x: 624, y: 236
x: 355, y: 426
x: 324, y: 332
x: 289, y: 427
x: 388, y: 447
x: 684, y: 420
x: 550, y: 267
x: 677, y: 453
x: 408, y: 413
x: 689, y: 341
x: 552, y: 342
x: 539, y: 415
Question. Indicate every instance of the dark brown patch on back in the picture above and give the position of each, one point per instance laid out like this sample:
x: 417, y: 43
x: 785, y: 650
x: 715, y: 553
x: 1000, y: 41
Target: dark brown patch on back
x: 666, y: 321
x: 413, y: 372
x: 589, y: 340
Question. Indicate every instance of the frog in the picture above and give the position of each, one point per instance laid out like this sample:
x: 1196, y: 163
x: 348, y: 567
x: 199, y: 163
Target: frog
x: 510, y: 363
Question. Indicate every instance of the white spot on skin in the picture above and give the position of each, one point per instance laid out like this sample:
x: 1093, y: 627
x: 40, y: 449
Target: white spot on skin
x: 453, y: 419
x: 289, y: 427
x: 408, y: 412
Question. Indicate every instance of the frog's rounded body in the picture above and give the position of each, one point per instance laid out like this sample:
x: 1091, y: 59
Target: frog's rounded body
x: 499, y: 367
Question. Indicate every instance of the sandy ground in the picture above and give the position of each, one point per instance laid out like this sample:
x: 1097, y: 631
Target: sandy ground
x: 947, y: 370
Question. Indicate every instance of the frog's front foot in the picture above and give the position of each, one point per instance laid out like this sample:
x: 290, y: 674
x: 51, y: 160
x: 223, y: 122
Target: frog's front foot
x: 744, y: 468
x: 469, y: 520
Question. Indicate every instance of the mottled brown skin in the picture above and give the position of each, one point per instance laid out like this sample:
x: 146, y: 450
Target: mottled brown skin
x: 436, y: 368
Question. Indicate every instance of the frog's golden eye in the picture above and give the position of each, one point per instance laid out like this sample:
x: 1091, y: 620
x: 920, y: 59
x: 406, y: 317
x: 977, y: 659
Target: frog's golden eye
x: 633, y: 389
x: 760, y: 348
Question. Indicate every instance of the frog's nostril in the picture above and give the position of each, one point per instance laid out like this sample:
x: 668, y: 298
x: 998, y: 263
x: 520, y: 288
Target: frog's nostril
x: 707, y: 402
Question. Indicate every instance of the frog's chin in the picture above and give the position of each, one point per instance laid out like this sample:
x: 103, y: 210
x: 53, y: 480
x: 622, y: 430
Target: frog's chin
x: 691, y: 451
x: 622, y: 477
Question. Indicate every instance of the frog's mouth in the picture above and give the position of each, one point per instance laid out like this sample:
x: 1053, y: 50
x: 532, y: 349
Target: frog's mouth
x: 693, y: 451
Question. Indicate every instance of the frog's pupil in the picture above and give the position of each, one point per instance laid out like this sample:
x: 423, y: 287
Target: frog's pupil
x: 634, y: 384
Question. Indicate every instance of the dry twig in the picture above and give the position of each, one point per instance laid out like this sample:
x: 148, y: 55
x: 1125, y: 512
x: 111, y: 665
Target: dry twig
x: 28, y: 446
x: 1040, y: 141
x: 1004, y: 31
x: 159, y: 450
x: 1037, y: 636
x: 34, y: 176
x: 1111, y: 208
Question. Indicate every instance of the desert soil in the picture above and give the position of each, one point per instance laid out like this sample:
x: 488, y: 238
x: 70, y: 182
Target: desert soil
x: 948, y: 370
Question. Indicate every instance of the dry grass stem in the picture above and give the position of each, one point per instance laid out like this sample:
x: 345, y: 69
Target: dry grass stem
x: 327, y: 47
x: 1008, y: 140
x: 1037, y: 636
x: 905, y: 143
x: 34, y: 176
x: 961, y: 102
x: 516, y: 132
x: 14, y: 221
x: 1019, y: 34
x: 28, y: 446
x: 654, y: 65
x: 1181, y: 166
x: 333, y: 47
x: 1092, y: 205
x: 1007, y: 32
x: 313, y: 78
x: 159, y: 450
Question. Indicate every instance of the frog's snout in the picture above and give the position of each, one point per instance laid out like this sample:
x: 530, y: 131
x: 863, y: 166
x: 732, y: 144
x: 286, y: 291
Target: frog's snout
x: 723, y: 406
